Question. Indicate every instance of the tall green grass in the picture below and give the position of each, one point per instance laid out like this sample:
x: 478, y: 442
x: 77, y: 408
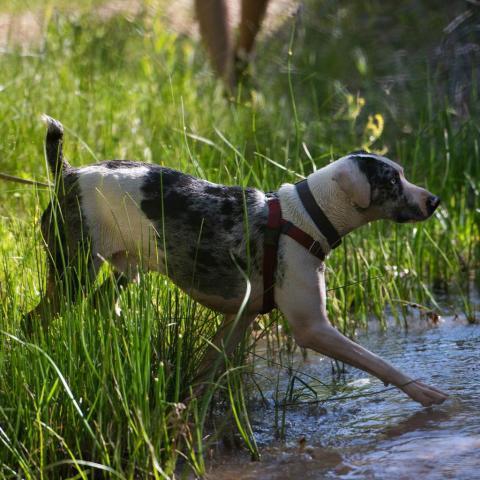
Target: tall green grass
x: 103, y: 391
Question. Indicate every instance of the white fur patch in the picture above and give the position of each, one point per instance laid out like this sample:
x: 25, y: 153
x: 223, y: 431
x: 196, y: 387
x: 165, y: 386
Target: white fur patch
x: 111, y: 199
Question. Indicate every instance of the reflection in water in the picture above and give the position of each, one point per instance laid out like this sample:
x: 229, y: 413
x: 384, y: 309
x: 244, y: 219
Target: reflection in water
x: 378, y: 436
x: 422, y: 419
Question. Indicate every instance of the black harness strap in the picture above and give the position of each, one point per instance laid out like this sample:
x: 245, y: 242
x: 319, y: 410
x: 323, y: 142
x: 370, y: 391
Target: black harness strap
x: 316, y: 213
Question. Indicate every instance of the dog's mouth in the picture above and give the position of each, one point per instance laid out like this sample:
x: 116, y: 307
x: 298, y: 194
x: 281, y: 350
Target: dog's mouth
x: 404, y: 219
x: 410, y: 214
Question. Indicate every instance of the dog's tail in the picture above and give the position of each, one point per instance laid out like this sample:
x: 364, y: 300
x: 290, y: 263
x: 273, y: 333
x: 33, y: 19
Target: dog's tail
x: 54, y: 145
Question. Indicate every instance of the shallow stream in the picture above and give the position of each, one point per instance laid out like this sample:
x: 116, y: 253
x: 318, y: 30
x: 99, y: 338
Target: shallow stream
x: 375, y: 435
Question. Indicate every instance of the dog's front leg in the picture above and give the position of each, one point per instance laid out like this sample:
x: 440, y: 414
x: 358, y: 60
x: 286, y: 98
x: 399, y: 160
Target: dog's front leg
x: 325, y: 339
x: 301, y: 297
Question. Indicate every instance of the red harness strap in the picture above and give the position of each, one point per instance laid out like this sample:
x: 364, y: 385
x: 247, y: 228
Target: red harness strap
x: 276, y: 225
x: 270, y: 247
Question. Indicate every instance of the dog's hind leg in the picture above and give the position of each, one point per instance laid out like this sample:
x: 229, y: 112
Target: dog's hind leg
x: 109, y: 290
x: 70, y: 268
x: 227, y: 338
x: 125, y: 270
x: 63, y: 286
x: 46, y: 308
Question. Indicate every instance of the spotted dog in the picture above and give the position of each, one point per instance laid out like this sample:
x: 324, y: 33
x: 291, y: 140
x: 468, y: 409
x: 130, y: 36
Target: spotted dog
x: 207, y: 237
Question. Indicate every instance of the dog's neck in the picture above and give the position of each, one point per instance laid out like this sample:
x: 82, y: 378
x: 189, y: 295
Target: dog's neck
x: 344, y: 216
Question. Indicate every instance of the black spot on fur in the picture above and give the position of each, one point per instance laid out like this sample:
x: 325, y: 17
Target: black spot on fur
x: 217, y: 191
x: 241, y: 263
x: 159, y: 194
x: 177, y: 202
x: 207, y: 234
x: 387, y: 191
x: 202, y: 269
x: 227, y: 207
x: 114, y: 164
x: 384, y: 179
x: 204, y: 256
x: 228, y: 223
x: 200, y: 225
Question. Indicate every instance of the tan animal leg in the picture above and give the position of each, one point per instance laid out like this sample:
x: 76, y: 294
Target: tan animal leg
x: 253, y: 13
x: 323, y: 338
x: 224, y: 342
x: 301, y: 296
x: 213, y: 19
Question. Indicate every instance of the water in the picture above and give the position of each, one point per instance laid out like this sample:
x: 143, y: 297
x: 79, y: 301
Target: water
x: 383, y: 435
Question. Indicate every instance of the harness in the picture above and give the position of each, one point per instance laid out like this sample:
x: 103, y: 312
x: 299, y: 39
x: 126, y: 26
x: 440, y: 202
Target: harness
x: 276, y: 226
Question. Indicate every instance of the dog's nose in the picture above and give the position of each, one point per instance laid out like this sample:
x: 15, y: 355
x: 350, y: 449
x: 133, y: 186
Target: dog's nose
x: 432, y: 203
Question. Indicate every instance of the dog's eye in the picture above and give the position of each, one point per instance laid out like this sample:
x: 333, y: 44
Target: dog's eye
x: 393, y: 180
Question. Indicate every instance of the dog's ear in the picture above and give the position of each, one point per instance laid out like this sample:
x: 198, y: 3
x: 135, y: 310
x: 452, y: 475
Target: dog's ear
x: 353, y: 183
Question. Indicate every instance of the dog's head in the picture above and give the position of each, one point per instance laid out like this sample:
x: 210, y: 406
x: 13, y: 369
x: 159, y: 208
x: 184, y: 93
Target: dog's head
x: 377, y: 187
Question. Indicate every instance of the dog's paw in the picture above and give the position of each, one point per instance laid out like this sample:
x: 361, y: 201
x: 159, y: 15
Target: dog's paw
x: 424, y: 394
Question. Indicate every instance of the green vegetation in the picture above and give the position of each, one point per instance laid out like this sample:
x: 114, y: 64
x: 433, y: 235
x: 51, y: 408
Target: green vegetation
x: 102, y: 391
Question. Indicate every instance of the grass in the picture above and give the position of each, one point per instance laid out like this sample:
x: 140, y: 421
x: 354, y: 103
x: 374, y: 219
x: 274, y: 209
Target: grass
x: 102, y: 391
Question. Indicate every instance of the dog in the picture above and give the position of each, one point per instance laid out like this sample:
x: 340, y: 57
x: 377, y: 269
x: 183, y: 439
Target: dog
x: 207, y: 238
